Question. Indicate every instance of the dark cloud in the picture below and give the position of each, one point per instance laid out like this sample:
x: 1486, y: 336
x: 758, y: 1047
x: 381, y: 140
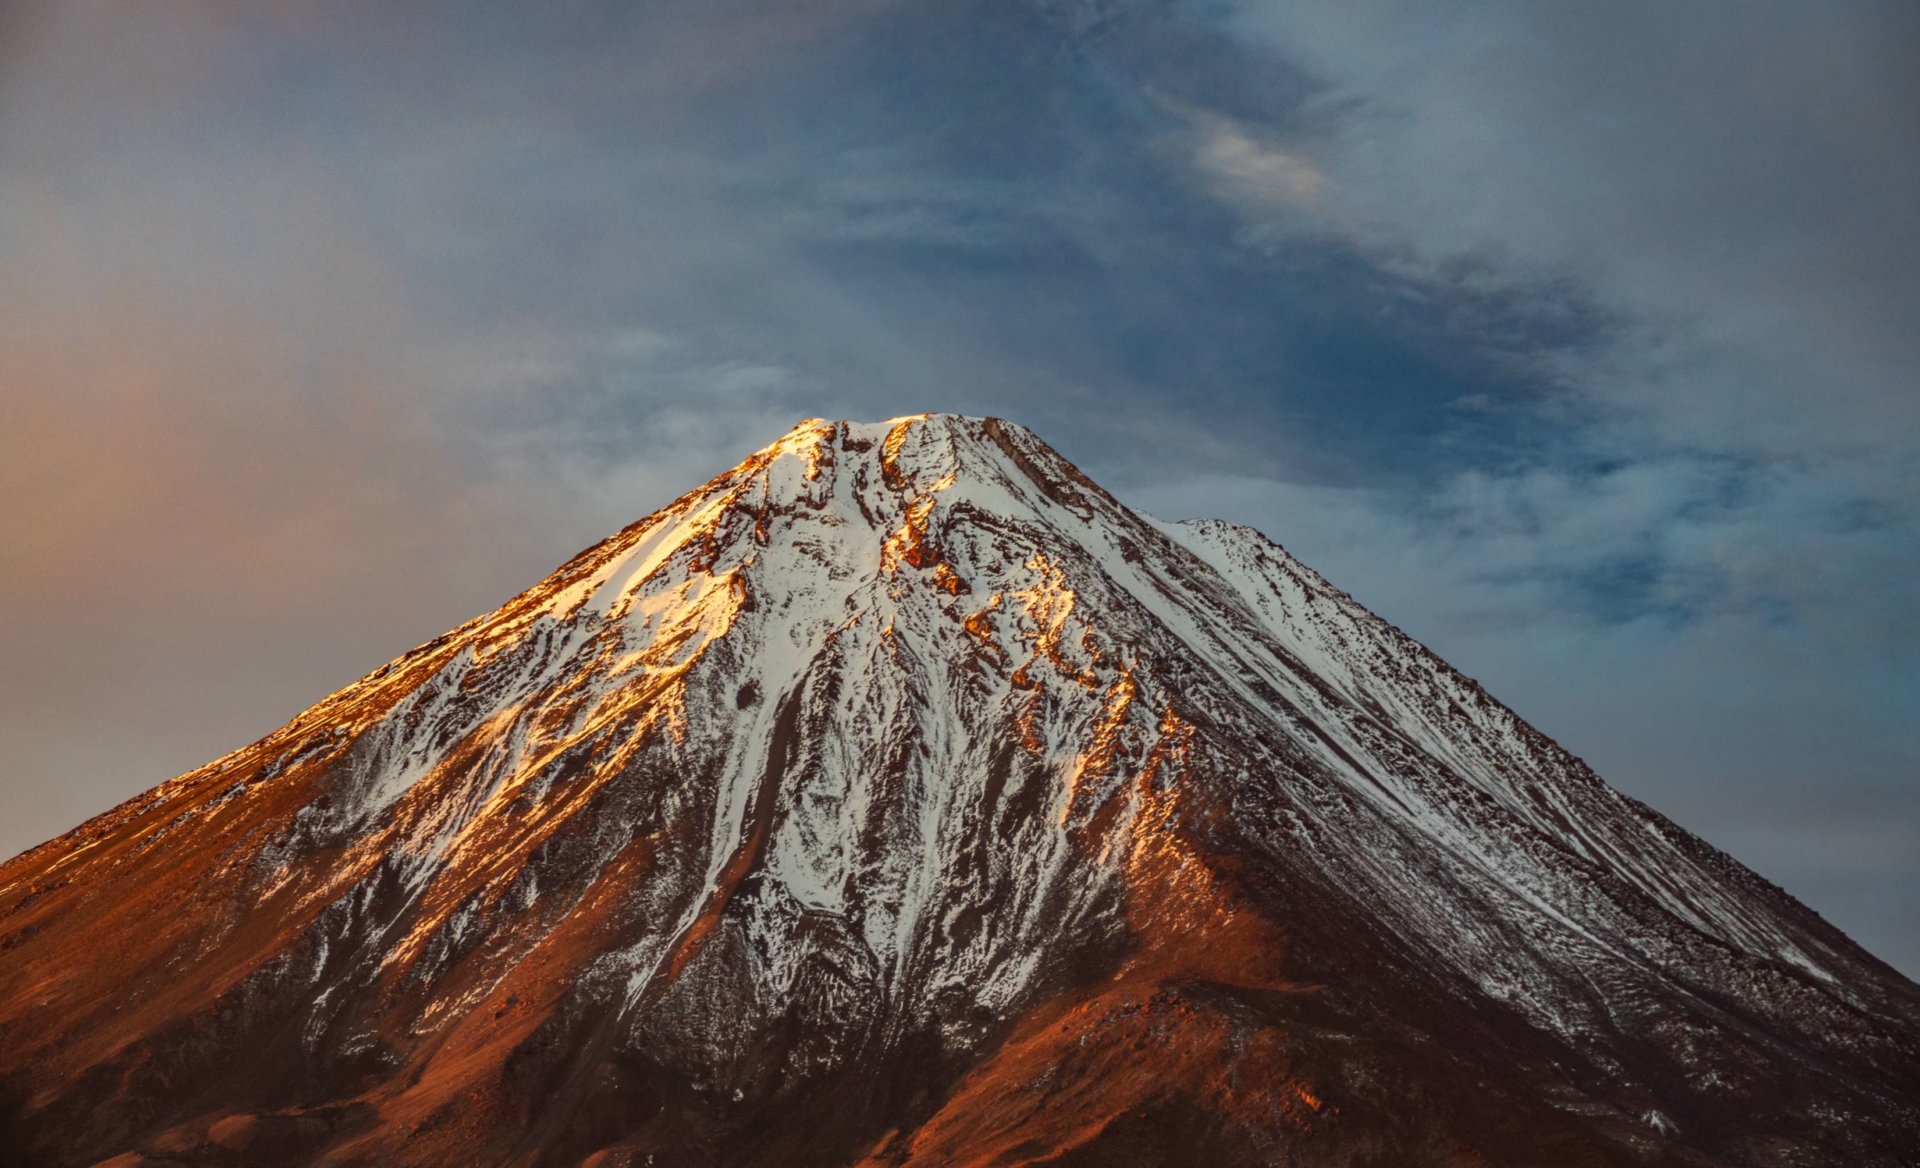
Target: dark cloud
x: 1736, y: 169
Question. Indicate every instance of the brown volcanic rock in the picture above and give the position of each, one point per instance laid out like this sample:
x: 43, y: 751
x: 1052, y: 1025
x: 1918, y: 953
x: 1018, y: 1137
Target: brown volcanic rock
x: 272, y: 1137
x: 900, y: 798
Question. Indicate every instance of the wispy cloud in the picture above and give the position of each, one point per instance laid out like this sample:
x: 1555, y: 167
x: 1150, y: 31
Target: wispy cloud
x: 1247, y: 171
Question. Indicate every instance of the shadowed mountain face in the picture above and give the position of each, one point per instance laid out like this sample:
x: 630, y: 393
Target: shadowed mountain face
x: 901, y: 798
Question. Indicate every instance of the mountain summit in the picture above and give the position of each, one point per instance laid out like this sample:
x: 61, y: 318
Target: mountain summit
x: 901, y: 798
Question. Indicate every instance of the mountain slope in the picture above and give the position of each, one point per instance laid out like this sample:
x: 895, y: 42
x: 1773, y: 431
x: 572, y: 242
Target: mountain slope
x: 899, y: 797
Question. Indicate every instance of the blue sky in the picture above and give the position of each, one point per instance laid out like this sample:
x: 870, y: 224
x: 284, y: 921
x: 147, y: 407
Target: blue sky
x: 1583, y: 344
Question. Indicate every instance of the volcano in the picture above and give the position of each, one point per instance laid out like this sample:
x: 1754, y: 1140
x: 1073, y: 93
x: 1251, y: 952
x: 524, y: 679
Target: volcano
x: 900, y: 798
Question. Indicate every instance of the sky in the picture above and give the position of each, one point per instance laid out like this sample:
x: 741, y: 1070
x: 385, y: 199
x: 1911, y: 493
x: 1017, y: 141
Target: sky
x: 1581, y: 342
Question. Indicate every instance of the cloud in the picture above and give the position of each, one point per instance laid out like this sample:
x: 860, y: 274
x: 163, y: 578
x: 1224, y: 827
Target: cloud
x: 1740, y: 183
x: 1248, y: 172
x: 224, y: 485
